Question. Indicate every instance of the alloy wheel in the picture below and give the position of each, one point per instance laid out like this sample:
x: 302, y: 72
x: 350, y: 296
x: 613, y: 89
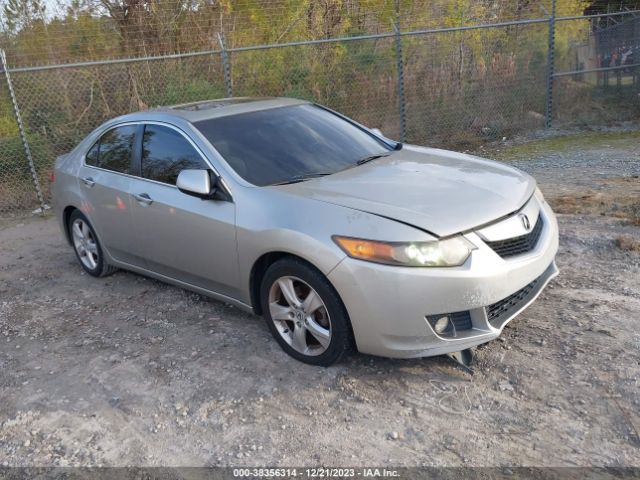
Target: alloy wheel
x: 85, y: 243
x: 300, y: 315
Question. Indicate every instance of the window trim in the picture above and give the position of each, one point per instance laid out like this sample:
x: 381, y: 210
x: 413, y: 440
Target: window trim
x: 137, y: 153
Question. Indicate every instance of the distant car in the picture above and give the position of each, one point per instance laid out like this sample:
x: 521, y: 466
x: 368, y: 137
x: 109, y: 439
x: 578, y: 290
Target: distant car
x: 339, y: 236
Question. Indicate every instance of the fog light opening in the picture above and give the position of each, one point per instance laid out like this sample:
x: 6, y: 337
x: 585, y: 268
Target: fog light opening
x: 444, y: 326
x: 441, y: 324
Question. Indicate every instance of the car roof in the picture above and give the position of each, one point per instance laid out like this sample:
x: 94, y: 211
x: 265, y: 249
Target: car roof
x: 204, y: 110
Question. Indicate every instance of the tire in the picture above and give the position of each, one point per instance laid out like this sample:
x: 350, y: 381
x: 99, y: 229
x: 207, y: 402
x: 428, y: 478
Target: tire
x: 302, y: 331
x: 87, y: 246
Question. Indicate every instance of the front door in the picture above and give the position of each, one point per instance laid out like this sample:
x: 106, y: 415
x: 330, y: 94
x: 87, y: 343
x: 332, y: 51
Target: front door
x: 181, y: 236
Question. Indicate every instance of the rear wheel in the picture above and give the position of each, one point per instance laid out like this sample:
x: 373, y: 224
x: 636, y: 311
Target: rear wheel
x: 305, y: 313
x: 87, y: 246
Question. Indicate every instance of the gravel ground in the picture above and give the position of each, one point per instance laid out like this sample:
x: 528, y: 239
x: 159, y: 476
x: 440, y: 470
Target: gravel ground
x: 129, y: 371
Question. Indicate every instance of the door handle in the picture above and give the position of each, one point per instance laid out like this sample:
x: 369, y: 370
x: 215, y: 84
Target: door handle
x: 143, y: 198
x: 88, y: 181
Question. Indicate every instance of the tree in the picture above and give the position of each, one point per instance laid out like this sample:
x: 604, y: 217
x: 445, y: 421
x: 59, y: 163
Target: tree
x: 23, y: 14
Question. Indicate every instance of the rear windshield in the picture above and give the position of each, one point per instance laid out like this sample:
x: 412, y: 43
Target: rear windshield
x: 277, y: 145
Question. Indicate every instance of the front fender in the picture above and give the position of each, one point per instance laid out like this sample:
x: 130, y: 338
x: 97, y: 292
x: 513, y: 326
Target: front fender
x: 269, y: 220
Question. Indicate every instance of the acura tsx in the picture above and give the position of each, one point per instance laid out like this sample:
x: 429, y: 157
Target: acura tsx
x: 340, y: 237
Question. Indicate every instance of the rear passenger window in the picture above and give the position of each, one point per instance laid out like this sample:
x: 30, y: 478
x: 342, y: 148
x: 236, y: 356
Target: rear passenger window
x: 91, y: 158
x: 165, y: 153
x: 116, y: 147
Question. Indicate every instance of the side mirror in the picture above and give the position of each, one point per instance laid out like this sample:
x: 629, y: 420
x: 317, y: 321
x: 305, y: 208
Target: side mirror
x: 194, y: 182
x: 377, y: 131
x: 202, y: 184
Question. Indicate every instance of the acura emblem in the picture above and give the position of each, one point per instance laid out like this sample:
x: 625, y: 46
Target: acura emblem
x: 525, y: 221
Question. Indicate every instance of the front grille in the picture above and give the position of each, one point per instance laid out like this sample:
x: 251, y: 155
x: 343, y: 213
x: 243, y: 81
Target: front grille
x: 518, y: 245
x: 502, y: 310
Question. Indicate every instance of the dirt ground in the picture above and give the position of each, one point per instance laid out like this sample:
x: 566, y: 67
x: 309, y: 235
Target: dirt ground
x: 129, y: 371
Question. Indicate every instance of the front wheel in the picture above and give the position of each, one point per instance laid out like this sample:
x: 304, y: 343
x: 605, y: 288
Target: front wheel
x: 305, y: 313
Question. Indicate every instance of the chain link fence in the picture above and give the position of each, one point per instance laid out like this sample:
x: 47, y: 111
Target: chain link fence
x: 467, y: 87
x: 357, y: 77
x: 454, y: 86
x: 17, y: 190
x: 598, y: 70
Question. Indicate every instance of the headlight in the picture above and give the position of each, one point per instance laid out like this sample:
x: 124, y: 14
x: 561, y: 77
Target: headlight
x: 451, y: 252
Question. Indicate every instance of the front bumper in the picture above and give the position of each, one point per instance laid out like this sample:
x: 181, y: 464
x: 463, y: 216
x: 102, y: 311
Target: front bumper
x: 388, y: 305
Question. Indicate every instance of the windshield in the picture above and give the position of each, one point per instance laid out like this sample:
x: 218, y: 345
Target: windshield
x: 285, y: 144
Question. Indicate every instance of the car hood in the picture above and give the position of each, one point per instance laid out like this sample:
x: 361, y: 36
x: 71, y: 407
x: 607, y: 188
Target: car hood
x: 439, y: 191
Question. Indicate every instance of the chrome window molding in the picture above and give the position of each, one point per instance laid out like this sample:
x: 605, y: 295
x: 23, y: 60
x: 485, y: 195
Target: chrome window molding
x: 162, y: 124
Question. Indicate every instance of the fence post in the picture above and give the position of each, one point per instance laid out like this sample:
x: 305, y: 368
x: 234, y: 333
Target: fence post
x: 23, y: 136
x: 400, y: 68
x: 226, y: 67
x: 548, y: 113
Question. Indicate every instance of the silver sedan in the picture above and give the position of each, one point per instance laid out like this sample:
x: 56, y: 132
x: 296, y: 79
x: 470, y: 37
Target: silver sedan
x: 343, y: 239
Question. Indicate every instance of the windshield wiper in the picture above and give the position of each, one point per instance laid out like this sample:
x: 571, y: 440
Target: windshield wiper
x: 364, y: 160
x: 301, y: 178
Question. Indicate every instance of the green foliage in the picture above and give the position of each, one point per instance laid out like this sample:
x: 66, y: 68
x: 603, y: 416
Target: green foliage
x: 175, y: 92
x: 13, y: 160
x: 8, y: 125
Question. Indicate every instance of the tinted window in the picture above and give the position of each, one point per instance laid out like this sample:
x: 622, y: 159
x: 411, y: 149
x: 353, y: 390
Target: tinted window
x: 276, y: 145
x: 91, y: 158
x: 165, y: 153
x: 115, y: 149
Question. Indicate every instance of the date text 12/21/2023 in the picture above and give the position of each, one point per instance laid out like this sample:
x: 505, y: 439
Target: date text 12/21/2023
x: 319, y: 472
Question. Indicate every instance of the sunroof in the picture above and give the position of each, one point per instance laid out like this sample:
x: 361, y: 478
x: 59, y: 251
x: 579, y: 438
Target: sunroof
x: 209, y: 104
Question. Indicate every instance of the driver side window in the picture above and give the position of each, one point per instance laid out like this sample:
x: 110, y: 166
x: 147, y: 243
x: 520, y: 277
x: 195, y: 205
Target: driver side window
x: 165, y: 153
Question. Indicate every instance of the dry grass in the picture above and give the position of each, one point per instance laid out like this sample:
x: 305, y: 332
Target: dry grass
x: 627, y: 208
x: 565, y: 144
x: 628, y: 243
x: 617, y: 197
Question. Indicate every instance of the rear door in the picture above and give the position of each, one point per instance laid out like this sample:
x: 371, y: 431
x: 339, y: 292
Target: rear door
x: 105, y: 179
x: 181, y: 236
